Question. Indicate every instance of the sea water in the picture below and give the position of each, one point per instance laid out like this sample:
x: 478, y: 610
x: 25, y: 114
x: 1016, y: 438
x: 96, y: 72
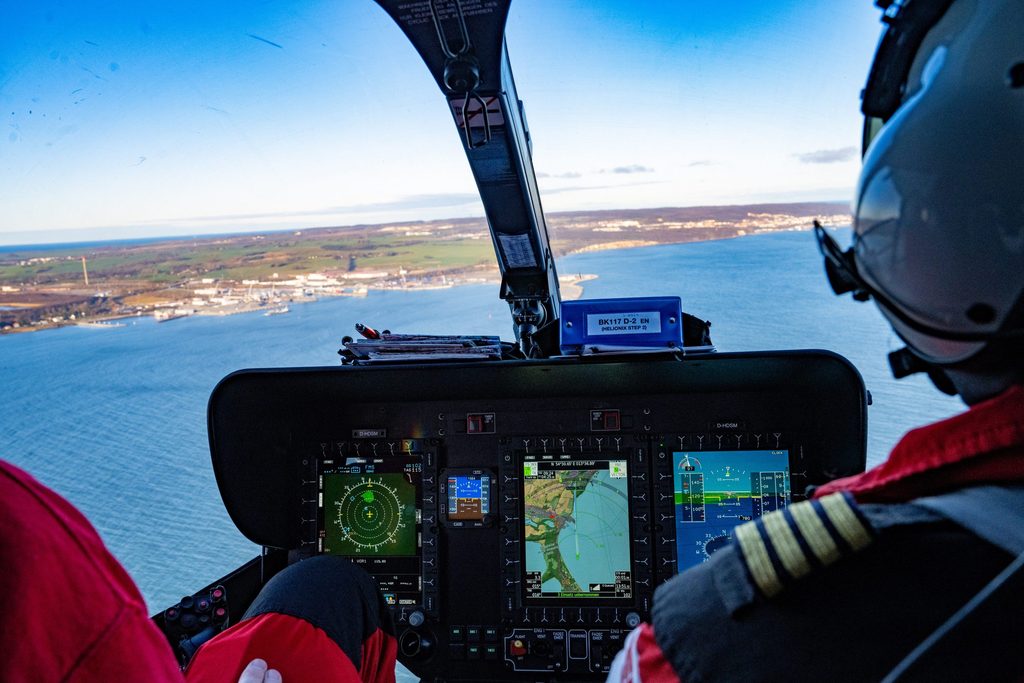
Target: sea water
x: 114, y: 419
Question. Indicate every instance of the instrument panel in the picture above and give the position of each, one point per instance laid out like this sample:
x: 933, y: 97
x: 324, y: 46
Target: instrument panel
x: 518, y: 517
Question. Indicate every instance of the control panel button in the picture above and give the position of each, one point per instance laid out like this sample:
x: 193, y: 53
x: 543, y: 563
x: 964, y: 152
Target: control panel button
x: 473, y: 633
x: 517, y: 648
x: 605, y: 421
x: 491, y: 634
x: 410, y: 644
x: 480, y: 423
x: 577, y: 644
x: 456, y: 633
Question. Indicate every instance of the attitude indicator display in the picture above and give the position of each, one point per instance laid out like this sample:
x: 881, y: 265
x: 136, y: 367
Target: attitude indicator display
x: 576, y: 528
x: 469, y: 496
x: 716, y: 491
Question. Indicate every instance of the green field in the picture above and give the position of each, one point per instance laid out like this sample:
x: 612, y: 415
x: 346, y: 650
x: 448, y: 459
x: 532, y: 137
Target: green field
x: 247, y: 257
x: 418, y: 247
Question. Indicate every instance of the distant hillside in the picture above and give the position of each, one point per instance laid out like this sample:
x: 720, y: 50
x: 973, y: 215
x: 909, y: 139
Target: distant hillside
x: 49, y: 285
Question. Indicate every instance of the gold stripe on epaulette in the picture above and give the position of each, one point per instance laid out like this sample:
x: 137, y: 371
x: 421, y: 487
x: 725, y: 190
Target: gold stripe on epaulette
x: 756, y: 556
x: 845, y: 520
x: 814, y: 532
x: 786, y: 546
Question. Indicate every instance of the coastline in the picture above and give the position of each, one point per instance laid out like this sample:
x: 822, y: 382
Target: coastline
x: 223, y: 297
x: 570, y: 288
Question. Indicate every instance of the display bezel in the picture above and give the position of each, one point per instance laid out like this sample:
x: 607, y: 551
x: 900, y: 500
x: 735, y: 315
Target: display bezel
x: 488, y: 518
x: 407, y: 568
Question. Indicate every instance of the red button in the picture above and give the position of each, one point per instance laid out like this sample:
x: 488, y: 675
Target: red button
x: 517, y: 648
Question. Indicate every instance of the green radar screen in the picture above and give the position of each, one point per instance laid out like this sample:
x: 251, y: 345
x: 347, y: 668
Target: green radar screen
x: 369, y: 514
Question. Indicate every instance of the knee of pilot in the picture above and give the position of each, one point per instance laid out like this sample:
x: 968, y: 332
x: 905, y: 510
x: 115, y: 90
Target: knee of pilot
x: 316, y: 578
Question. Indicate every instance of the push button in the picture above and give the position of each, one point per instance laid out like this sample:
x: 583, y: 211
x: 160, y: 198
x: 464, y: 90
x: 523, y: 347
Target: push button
x: 456, y: 633
x: 577, y: 644
x: 473, y: 651
x: 491, y: 634
x: 517, y: 648
x: 490, y: 652
x: 473, y: 633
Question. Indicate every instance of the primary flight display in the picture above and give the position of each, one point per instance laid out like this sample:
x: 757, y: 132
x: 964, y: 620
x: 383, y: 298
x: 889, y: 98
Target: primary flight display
x: 716, y: 491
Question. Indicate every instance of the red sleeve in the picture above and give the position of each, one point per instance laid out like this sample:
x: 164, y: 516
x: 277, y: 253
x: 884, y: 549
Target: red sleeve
x: 293, y: 646
x: 70, y: 612
x: 641, y: 660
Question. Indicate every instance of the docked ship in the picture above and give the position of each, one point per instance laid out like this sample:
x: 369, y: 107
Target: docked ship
x: 162, y: 316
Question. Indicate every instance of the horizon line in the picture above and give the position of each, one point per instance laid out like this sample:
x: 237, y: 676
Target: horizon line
x: 60, y: 236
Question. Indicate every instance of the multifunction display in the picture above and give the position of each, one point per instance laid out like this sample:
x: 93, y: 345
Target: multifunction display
x: 716, y: 491
x: 576, y: 528
x: 370, y: 512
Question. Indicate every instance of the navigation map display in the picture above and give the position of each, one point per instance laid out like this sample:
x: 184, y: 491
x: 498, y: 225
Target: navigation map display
x: 716, y: 491
x: 369, y: 512
x: 576, y: 528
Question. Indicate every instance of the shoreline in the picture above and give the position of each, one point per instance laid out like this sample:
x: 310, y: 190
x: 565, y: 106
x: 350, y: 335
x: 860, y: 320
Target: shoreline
x: 571, y: 287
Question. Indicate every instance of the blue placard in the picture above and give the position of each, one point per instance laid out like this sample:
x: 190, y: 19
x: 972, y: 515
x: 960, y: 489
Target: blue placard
x: 633, y: 323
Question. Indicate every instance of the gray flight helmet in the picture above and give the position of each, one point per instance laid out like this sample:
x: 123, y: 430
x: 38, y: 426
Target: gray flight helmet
x: 939, y: 211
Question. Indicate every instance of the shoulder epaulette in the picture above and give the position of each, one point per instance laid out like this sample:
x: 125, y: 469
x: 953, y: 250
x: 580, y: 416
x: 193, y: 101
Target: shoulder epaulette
x: 787, y: 544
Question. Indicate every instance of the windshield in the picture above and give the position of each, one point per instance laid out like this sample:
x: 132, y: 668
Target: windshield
x: 168, y: 166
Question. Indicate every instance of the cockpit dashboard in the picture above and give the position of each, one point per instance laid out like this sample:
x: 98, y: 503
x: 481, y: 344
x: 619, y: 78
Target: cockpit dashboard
x: 517, y: 517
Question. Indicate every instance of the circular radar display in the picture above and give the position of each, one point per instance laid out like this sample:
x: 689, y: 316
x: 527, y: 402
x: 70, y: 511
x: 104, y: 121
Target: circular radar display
x: 372, y: 515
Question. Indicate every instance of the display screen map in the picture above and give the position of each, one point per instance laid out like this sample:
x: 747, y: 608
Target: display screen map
x: 716, y: 491
x: 576, y: 528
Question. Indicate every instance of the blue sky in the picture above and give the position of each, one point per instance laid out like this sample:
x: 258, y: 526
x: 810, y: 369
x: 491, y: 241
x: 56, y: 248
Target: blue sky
x: 192, y: 117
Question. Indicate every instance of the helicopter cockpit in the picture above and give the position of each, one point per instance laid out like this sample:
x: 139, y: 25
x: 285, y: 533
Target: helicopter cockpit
x: 518, y: 508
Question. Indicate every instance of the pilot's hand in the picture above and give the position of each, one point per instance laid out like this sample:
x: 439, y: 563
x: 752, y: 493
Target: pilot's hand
x: 257, y: 672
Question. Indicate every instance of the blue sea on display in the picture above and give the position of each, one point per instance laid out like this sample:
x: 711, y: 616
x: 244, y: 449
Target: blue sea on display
x: 115, y: 419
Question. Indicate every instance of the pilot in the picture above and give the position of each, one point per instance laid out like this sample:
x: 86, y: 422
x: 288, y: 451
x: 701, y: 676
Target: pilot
x: 912, y: 569
x: 70, y: 612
